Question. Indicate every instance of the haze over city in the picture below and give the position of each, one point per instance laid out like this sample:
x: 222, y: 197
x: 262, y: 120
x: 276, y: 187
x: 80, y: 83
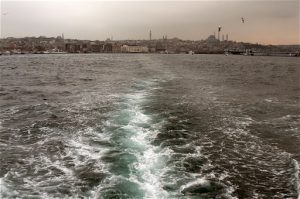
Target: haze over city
x: 149, y: 99
x: 266, y: 22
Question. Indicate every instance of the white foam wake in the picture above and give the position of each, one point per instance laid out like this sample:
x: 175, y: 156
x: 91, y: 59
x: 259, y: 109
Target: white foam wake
x: 150, y: 159
x: 131, y: 130
x: 296, y: 174
x: 5, y: 190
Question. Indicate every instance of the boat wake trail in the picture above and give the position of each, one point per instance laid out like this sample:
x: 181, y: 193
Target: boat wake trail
x: 151, y: 154
x: 133, y: 164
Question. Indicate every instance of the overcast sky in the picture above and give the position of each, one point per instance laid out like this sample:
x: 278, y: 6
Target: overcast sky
x: 267, y: 22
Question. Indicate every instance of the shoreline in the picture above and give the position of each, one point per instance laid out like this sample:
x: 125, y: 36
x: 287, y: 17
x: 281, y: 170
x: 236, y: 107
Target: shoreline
x: 275, y: 54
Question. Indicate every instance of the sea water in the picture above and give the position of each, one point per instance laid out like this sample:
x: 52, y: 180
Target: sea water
x: 149, y: 126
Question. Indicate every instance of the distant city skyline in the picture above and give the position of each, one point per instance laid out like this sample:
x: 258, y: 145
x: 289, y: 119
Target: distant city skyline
x: 265, y: 22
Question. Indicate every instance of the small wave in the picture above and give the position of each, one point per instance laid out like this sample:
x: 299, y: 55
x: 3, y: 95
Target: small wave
x: 1, y: 122
x: 199, y: 181
x: 207, y: 188
x: 5, y: 190
x: 296, y: 176
x: 271, y: 100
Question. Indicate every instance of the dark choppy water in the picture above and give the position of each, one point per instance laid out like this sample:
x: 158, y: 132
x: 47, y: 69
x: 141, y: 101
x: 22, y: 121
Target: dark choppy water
x: 149, y: 126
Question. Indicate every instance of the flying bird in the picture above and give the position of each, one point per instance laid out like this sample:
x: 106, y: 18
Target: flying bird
x: 243, y: 20
x: 5, y: 13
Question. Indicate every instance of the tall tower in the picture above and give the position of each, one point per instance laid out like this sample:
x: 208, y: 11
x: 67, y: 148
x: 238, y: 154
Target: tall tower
x: 226, y: 37
x: 222, y: 37
x: 150, y: 35
x: 219, y: 30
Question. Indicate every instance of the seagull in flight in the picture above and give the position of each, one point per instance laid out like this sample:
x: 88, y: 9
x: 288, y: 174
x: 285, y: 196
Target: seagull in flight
x: 243, y: 20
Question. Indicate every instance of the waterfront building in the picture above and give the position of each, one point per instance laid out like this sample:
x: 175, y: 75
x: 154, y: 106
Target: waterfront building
x: 134, y: 49
x: 85, y: 47
x: 96, y: 48
x: 107, y: 48
x: 116, y: 48
x: 160, y: 47
x: 73, y: 48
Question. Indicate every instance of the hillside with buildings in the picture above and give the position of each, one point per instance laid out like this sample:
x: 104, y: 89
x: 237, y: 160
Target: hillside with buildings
x: 211, y: 45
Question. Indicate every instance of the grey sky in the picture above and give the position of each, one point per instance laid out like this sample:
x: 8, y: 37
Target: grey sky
x: 268, y: 22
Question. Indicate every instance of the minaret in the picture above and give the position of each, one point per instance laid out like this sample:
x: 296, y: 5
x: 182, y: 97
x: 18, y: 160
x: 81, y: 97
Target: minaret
x: 219, y: 30
x: 150, y: 35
